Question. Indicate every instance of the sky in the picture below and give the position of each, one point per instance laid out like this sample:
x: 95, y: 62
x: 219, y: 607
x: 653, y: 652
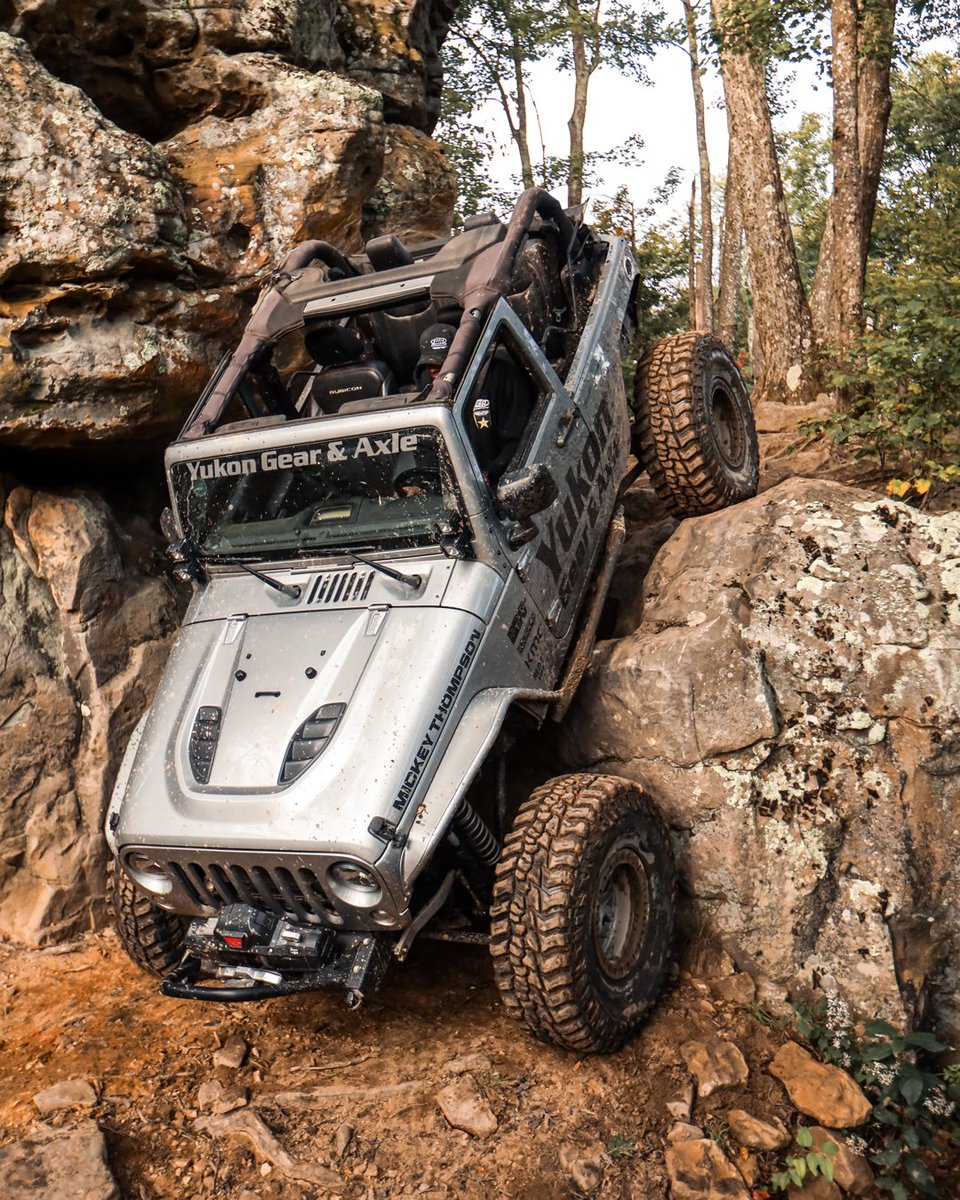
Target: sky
x: 661, y: 112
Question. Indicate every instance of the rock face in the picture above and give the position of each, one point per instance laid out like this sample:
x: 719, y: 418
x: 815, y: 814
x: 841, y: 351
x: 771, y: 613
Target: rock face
x: 791, y: 697
x: 84, y: 634
x: 156, y: 159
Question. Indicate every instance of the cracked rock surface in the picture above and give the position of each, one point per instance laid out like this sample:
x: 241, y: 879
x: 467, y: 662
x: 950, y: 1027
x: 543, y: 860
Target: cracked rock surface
x: 157, y: 160
x: 791, y: 699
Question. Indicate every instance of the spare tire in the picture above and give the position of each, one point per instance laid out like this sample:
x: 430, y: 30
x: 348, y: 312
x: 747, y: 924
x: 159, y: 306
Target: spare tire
x: 694, y: 430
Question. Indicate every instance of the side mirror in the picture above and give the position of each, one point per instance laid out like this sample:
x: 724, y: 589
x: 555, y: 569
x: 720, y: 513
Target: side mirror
x: 522, y: 493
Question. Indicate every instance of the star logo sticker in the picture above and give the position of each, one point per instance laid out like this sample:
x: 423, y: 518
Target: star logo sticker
x: 483, y: 422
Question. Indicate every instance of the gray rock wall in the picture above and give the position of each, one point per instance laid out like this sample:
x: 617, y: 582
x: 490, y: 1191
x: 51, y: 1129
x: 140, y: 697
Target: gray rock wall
x: 158, y: 158
x: 85, y: 628
x: 791, y: 697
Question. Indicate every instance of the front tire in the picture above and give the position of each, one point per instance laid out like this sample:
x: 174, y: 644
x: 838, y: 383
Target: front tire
x: 150, y: 935
x: 583, y: 911
x: 695, y: 432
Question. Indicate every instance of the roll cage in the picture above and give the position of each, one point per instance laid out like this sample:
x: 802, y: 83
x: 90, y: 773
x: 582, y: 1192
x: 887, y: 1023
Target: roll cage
x: 543, y: 262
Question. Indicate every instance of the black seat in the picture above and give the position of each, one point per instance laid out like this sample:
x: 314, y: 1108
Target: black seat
x: 342, y: 372
x: 387, y: 252
x: 334, y: 386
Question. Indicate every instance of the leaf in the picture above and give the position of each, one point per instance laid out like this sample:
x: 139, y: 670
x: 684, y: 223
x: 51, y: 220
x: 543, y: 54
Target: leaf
x: 880, y: 1028
x: 876, y: 1052
x: 922, y: 486
x: 829, y: 1149
x: 923, y: 1040
x: 804, y: 1137
x: 898, y: 487
x: 911, y: 1089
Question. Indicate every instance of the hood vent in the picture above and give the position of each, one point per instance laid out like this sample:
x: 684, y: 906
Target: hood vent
x: 203, y: 741
x: 340, y: 587
x: 310, y: 741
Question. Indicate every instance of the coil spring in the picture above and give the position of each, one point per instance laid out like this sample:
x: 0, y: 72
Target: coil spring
x: 473, y: 829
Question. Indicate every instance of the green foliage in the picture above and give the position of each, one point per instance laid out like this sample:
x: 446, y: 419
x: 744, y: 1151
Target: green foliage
x: 661, y: 253
x: 800, y: 1169
x: 804, y: 165
x: 717, y: 1130
x: 621, y: 1146
x: 914, y: 1108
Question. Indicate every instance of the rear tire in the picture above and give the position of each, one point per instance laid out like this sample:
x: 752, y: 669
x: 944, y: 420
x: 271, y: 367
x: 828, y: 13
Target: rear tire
x: 695, y: 432
x: 150, y: 935
x: 583, y: 910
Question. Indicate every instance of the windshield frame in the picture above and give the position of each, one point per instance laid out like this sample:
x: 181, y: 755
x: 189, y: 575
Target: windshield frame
x: 280, y: 437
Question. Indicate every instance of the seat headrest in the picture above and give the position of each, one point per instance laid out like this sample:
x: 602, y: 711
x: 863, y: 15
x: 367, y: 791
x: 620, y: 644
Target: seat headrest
x: 333, y: 345
x: 387, y: 252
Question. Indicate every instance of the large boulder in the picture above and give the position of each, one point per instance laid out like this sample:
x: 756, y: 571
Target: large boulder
x: 791, y: 697
x: 155, y: 66
x: 128, y: 263
x: 85, y: 629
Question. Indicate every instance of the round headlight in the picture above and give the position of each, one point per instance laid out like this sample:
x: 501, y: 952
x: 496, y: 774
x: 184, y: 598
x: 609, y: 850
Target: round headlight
x: 147, y: 872
x: 354, y: 884
x: 354, y: 876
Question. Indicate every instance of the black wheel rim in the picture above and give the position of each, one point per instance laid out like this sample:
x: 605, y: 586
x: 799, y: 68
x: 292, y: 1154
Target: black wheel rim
x: 620, y: 912
x: 727, y: 425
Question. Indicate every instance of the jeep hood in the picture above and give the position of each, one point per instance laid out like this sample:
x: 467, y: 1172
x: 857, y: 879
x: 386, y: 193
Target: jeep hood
x: 400, y: 674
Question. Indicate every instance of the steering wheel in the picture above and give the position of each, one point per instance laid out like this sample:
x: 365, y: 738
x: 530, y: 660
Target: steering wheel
x: 418, y: 477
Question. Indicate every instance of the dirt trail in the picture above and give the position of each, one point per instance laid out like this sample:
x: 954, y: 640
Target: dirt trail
x: 87, y: 1012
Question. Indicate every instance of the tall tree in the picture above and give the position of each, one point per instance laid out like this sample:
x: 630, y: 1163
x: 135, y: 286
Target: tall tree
x: 861, y: 58
x: 489, y: 50
x: 612, y: 33
x: 704, y: 306
x: 731, y: 254
x: 784, y: 326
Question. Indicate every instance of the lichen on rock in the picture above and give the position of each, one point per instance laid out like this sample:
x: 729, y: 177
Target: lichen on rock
x: 791, y: 698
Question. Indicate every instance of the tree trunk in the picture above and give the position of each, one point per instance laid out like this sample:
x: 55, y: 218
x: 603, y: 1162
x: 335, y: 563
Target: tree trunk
x: 873, y: 103
x: 731, y: 252
x: 838, y: 290
x: 706, y: 199
x: 581, y: 82
x: 693, y: 317
x: 790, y: 366
x: 520, y: 135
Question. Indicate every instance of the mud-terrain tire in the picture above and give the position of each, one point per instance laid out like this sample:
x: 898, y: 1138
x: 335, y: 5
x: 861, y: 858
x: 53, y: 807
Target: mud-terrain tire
x: 582, y: 912
x: 694, y: 431
x: 151, y: 936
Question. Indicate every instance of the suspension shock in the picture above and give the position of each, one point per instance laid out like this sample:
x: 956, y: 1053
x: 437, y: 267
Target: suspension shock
x: 472, y: 828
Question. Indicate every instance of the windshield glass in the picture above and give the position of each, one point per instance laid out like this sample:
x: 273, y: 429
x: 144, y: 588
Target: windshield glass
x: 377, y: 490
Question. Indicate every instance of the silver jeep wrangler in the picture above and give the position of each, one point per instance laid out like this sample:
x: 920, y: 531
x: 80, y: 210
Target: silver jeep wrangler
x: 376, y: 621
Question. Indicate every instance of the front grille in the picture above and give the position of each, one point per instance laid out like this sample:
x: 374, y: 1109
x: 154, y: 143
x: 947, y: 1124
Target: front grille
x: 285, y: 891
x: 340, y: 587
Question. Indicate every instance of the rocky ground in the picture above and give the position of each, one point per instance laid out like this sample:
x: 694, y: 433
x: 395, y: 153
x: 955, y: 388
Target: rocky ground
x: 430, y: 1090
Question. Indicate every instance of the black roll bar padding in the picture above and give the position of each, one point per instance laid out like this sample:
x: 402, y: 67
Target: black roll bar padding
x: 251, y: 343
x: 481, y: 294
x: 303, y: 254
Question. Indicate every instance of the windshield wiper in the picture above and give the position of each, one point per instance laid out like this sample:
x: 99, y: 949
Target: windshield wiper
x: 292, y: 590
x: 412, y: 581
